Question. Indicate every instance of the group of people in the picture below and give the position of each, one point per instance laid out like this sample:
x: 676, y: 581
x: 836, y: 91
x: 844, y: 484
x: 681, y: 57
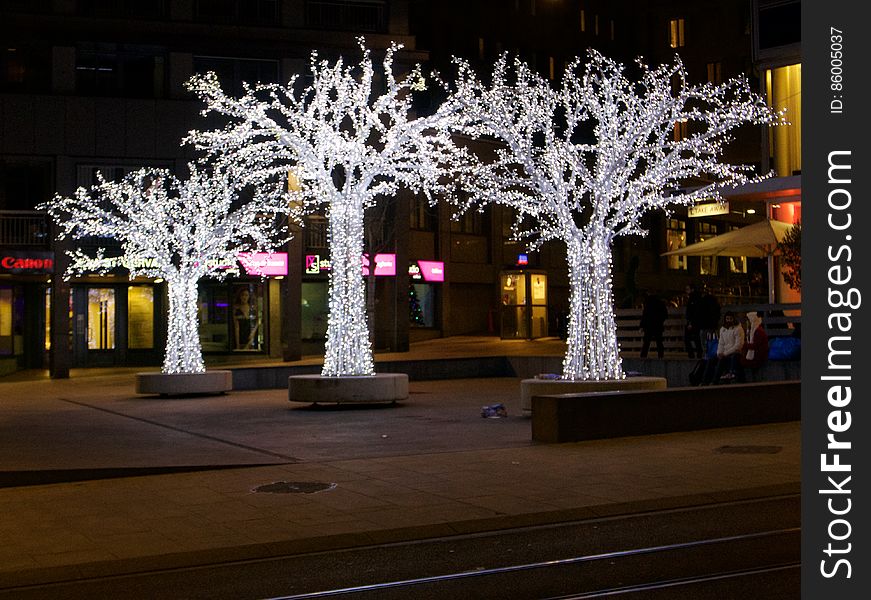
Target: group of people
x: 736, y: 350
x: 723, y: 354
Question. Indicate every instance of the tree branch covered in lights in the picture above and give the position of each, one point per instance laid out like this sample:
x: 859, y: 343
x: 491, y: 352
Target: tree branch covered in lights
x: 348, y: 137
x: 180, y: 230
x: 583, y: 163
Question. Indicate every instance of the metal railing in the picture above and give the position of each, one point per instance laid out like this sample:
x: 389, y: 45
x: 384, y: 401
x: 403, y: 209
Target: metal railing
x: 24, y: 228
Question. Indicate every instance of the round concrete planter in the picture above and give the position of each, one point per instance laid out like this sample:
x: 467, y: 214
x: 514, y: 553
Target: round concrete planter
x: 543, y: 387
x: 182, y: 384
x: 346, y: 389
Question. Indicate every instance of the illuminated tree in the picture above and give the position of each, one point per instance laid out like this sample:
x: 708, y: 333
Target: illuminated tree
x: 180, y: 230
x: 349, y: 137
x: 583, y: 163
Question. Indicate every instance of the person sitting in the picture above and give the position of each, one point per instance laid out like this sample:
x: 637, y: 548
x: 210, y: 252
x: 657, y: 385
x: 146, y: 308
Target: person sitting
x: 755, y: 352
x: 729, y: 347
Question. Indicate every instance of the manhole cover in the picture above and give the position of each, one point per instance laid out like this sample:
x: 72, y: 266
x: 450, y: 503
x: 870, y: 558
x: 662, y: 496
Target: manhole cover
x: 749, y: 449
x: 293, y: 487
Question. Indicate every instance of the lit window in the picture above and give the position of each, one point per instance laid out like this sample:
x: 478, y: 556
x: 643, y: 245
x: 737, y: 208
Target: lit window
x: 676, y: 238
x: 481, y: 48
x: 596, y: 24
x: 676, y: 33
x: 715, y: 72
x: 706, y: 231
x: 551, y: 65
x: 140, y: 317
x: 583, y: 21
x: 783, y: 92
x: 680, y: 130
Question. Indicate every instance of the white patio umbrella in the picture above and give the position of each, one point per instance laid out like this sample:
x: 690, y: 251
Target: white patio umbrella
x: 759, y: 240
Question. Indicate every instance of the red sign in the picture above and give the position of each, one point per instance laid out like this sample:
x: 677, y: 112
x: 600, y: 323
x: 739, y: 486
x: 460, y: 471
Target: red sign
x: 26, y: 263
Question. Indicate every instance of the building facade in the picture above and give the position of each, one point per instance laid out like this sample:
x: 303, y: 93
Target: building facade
x: 91, y: 86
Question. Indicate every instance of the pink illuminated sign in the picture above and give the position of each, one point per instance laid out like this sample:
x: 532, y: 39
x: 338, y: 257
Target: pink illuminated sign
x: 385, y: 265
x: 432, y: 270
x: 264, y: 264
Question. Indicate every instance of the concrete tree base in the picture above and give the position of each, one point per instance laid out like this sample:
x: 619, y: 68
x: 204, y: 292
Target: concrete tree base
x: 360, y: 389
x: 544, y: 387
x: 181, y: 384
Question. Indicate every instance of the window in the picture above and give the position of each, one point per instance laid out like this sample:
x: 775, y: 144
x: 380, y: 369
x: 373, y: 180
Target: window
x: 140, y: 317
x: 676, y: 33
x: 24, y: 68
x: 101, y: 319
x: 676, y: 238
x: 24, y: 183
x: 783, y: 91
x: 481, y: 48
x: 596, y: 24
x: 422, y: 304
x: 422, y: 215
x: 347, y: 15
x: 233, y: 72
x: 7, y: 345
x: 120, y: 70
x: 715, y: 72
x: 238, y: 11
x: 141, y: 9
x: 680, y: 130
x: 471, y: 222
x: 737, y: 264
x: 583, y: 21
x: 706, y: 231
x: 551, y: 68
x: 316, y: 231
x: 231, y: 316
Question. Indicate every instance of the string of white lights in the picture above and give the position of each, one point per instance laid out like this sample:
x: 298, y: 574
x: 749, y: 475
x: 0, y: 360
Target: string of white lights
x: 180, y: 230
x: 349, y: 136
x: 584, y: 162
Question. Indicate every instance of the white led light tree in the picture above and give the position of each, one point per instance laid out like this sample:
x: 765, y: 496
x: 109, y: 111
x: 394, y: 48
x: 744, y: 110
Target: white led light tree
x: 350, y: 136
x: 583, y: 163
x: 180, y: 230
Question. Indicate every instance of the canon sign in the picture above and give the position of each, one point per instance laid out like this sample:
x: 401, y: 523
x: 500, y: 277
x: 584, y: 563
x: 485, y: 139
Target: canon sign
x: 32, y: 263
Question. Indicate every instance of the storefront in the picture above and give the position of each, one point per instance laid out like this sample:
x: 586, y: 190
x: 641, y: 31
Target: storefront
x: 425, y: 278
x: 115, y: 322
x: 24, y: 276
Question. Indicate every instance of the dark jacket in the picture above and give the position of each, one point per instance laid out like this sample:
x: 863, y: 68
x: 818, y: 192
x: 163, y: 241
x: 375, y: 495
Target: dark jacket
x: 654, y: 315
x: 695, y: 310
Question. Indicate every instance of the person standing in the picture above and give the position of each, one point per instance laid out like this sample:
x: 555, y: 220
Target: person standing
x: 653, y: 318
x: 693, y: 340
x: 709, y: 318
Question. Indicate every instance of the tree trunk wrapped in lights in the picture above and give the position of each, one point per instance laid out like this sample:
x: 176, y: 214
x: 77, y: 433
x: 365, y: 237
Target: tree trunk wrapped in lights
x: 583, y: 163
x: 348, y: 350
x: 349, y: 137
x: 180, y: 230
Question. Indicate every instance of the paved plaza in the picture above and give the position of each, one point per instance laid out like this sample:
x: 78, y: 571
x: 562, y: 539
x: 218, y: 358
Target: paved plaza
x: 97, y: 480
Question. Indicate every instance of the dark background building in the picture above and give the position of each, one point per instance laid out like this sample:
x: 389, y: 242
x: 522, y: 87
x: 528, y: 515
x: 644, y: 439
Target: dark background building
x: 97, y: 85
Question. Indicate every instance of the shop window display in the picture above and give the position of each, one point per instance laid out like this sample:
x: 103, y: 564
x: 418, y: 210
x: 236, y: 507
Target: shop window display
x: 247, y: 317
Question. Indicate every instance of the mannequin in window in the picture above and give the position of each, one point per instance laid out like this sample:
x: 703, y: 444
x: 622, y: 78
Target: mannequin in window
x: 245, y: 323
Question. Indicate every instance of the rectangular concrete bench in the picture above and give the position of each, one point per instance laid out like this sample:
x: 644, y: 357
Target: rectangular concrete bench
x: 599, y: 415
